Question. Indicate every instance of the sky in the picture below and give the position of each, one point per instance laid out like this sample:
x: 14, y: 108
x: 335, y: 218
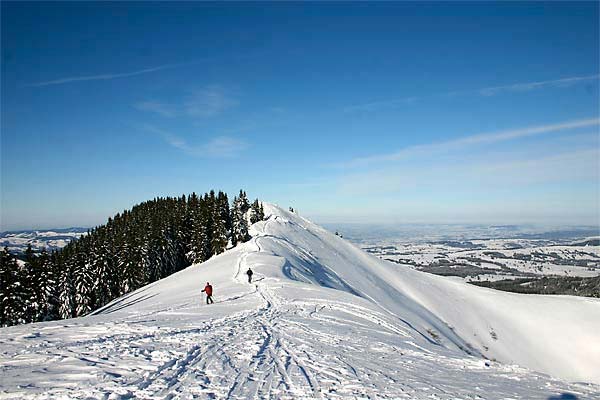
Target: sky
x: 349, y: 112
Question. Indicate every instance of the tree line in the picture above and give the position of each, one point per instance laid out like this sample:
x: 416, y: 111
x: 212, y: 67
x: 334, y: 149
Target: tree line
x: 567, y: 285
x: 139, y: 246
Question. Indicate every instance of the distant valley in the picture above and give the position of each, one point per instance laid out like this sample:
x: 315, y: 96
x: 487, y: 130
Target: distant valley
x: 50, y: 239
x: 514, y: 258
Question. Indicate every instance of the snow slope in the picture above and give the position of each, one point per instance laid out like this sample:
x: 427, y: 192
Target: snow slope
x: 323, y: 319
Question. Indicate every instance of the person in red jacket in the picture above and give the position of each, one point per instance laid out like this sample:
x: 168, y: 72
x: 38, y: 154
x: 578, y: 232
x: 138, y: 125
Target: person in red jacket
x: 208, y: 290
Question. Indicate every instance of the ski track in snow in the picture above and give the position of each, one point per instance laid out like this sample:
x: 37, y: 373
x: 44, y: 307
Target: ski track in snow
x: 257, y: 342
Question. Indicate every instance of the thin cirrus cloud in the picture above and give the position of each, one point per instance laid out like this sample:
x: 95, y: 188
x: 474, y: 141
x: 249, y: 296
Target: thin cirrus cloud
x: 525, y: 87
x: 156, y: 107
x: 103, y: 77
x: 202, y: 103
x: 224, y: 146
x: 487, y: 92
x: 474, y: 175
x: 216, y: 147
x: 466, y: 141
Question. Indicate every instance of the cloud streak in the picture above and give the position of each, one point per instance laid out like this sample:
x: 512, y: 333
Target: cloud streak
x: 103, y: 77
x: 486, y: 92
x: 483, y: 138
x: 202, y: 103
x: 157, y: 107
x: 378, y: 105
x: 477, y: 176
x: 224, y: 147
x: 216, y: 147
x: 526, y: 87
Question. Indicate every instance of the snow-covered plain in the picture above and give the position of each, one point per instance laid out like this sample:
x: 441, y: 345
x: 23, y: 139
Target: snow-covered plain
x: 493, y: 259
x: 323, y: 319
x: 56, y: 239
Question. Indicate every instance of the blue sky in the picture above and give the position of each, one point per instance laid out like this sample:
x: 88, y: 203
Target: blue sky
x: 366, y: 112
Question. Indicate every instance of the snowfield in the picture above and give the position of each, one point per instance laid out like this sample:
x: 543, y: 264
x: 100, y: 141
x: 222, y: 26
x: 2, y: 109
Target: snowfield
x: 531, y: 258
x: 322, y: 319
x: 17, y: 242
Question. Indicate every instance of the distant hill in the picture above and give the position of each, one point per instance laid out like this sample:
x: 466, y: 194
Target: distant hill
x: 568, y: 285
x: 51, y: 239
x: 588, y: 242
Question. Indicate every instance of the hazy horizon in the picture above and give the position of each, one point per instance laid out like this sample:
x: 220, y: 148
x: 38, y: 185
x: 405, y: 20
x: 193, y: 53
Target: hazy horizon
x: 367, y: 222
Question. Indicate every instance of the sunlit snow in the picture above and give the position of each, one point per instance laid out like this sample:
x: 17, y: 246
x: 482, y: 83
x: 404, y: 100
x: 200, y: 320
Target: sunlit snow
x: 322, y: 319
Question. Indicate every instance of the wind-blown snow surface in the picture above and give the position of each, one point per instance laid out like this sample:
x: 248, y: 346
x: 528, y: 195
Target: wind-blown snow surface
x: 322, y: 320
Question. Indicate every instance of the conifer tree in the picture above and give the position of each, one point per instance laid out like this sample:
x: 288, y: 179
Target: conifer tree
x: 5, y: 283
x: 100, y: 263
x: 234, y: 217
x: 66, y: 283
x: 225, y: 214
x: 219, y: 234
x: 84, y: 281
x: 13, y: 295
x: 254, y: 212
x: 239, y: 219
x: 196, y: 231
x: 30, y: 286
x: 8, y: 277
x: 257, y: 212
x: 205, y: 231
x: 151, y: 241
x: 52, y: 287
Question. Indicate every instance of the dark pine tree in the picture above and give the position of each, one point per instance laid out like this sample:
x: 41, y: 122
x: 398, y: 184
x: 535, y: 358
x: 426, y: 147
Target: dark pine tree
x: 256, y: 212
x: 219, y: 232
x: 8, y: 277
x: 14, y: 298
x: 149, y: 242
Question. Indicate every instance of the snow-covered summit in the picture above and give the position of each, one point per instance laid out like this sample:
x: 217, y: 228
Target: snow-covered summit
x: 322, y: 319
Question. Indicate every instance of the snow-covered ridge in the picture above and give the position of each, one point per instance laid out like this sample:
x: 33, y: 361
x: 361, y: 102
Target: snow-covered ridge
x: 323, y: 319
x: 532, y: 331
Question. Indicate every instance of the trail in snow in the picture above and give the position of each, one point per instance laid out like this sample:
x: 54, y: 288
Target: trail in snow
x: 307, y: 348
x: 306, y: 328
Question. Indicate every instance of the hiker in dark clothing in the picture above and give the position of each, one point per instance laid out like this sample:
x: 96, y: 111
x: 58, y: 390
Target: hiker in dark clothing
x: 208, y: 290
x: 249, y: 273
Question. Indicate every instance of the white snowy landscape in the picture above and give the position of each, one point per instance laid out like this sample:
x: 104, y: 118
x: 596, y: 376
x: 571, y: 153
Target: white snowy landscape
x: 54, y: 239
x: 493, y: 259
x: 436, y: 170
x: 322, y: 319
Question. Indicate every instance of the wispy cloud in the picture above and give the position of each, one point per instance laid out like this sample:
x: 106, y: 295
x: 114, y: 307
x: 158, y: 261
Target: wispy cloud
x: 216, y: 147
x: 483, y: 138
x: 528, y: 86
x: 224, y: 146
x: 378, y: 105
x: 486, y: 91
x: 209, y: 101
x: 201, y: 103
x: 103, y: 77
x: 163, y: 109
x: 553, y: 178
x: 473, y: 176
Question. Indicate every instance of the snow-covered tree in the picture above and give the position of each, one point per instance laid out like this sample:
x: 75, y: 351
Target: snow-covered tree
x: 219, y: 234
x: 256, y: 212
x: 149, y: 242
x: 239, y: 219
x: 11, y: 304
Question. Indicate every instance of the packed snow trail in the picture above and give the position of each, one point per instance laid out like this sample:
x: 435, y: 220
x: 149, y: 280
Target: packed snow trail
x: 321, y: 320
